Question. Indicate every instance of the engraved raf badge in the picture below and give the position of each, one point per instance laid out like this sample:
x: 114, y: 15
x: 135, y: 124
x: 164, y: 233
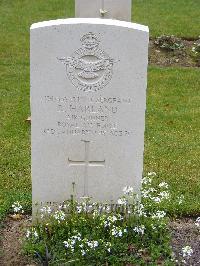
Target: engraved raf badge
x: 89, y: 68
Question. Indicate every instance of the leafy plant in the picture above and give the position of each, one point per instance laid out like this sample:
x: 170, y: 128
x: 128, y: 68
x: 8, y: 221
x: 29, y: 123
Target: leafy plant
x: 169, y: 43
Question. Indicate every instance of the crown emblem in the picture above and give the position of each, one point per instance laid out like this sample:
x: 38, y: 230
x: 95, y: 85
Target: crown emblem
x: 90, y: 40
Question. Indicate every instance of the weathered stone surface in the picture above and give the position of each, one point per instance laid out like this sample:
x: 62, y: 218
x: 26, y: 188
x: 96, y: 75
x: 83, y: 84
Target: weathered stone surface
x: 88, y: 97
x: 113, y: 9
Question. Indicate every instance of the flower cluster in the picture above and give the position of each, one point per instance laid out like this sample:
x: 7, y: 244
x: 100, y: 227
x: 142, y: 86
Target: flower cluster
x: 70, y: 244
x: 45, y: 211
x: 17, y: 208
x: 84, y: 245
x: 140, y: 210
x: 32, y: 233
x: 159, y: 215
x: 146, y: 180
x: 109, y: 221
x: 187, y: 252
x: 122, y: 201
x: 59, y: 216
x: 157, y: 196
x: 139, y: 229
x: 118, y: 232
x: 128, y: 190
x: 90, y: 232
x: 163, y: 185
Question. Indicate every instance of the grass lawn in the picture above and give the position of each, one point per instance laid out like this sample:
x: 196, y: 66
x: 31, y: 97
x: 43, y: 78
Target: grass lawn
x: 172, y: 115
x: 179, y: 17
x: 172, y: 144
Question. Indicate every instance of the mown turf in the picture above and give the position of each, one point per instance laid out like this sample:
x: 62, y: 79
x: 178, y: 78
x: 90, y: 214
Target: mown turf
x: 172, y: 116
x: 179, y: 17
x: 172, y: 144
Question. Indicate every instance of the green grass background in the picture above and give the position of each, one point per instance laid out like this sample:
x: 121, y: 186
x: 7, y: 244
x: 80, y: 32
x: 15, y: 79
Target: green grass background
x: 173, y: 111
x: 172, y: 17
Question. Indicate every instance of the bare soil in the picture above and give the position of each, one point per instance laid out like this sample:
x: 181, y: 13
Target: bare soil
x: 184, y: 232
x: 11, y: 243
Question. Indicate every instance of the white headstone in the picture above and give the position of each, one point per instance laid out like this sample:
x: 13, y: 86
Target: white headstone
x: 88, y: 97
x: 113, y: 9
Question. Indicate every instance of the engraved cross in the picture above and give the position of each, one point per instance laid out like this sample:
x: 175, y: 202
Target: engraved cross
x: 86, y: 162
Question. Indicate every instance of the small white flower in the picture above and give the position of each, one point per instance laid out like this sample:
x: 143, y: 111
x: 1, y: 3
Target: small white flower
x: 59, y: 216
x: 92, y: 244
x: 146, y: 193
x: 139, y: 210
x: 83, y: 252
x: 197, y: 223
x: 95, y: 244
x: 28, y: 233
x: 153, y: 227
x: 62, y: 206
x: 73, y: 242
x: 146, y: 180
x: 117, y: 232
x: 45, y: 210
x: 17, y: 207
x: 180, y: 199
x: 112, y: 218
x: 187, y: 251
x: 108, y: 209
x: 163, y: 185
x: 120, y: 233
x: 128, y: 190
x: 151, y: 174
x: 76, y: 237
x: 95, y: 213
x: 35, y: 234
x: 139, y: 229
x: 193, y: 49
x: 164, y: 195
x: 159, y: 215
x: 122, y: 201
x: 156, y: 199
x: 49, y: 210
x: 66, y: 244
x: 79, y: 209
x: 107, y: 224
x: 108, y: 246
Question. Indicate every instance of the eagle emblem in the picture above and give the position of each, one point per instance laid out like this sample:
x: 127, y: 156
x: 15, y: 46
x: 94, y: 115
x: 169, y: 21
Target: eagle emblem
x: 89, y: 68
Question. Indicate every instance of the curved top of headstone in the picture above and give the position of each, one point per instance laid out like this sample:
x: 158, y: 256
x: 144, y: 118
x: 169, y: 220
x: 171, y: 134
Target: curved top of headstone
x: 99, y: 21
